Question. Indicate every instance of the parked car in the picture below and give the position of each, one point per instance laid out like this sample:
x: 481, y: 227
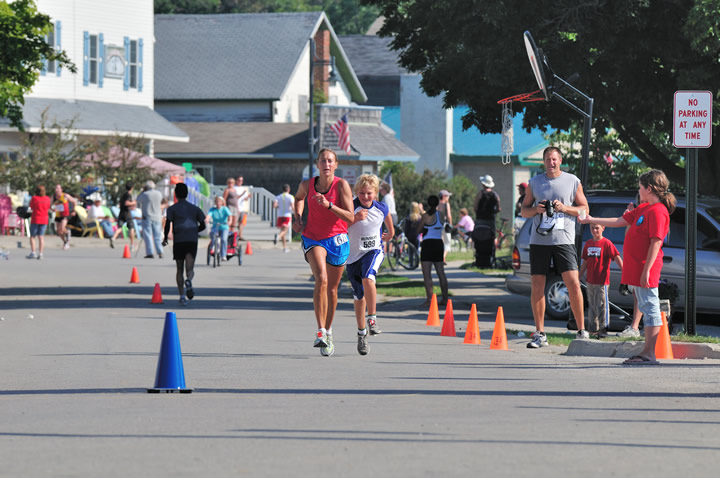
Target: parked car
x: 613, y: 204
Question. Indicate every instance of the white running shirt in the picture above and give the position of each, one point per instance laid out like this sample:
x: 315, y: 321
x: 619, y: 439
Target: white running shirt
x: 366, y: 235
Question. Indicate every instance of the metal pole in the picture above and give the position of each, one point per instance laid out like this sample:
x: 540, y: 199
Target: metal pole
x: 690, y: 238
x: 311, y: 133
x: 587, y: 127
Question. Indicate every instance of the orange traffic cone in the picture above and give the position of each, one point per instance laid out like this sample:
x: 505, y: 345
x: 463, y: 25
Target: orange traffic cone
x: 134, y: 277
x: 663, y: 347
x: 472, y: 334
x: 499, y: 338
x: 248, y: 249
x: 157, y: 295
x: 433, y: 318
x: 126, y: 252
x: 448, y: 328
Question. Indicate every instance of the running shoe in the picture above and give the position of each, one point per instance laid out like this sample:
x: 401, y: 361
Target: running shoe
x: 275, y: 239
x: 183, y: 301
x: 31, y: 255
x: 40, y: 256
x: 330, y: 349
x: 373, y: 327
x: 538, y: 340
x: 629, y: 332
x: 112, y: 243
x: 582, y: 334
x: 189, y: 289
x: 66, y: 246
x: 321, y: 340
x: 363, y: 343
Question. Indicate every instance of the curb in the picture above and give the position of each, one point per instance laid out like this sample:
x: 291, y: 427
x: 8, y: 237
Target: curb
x: 599, y: 348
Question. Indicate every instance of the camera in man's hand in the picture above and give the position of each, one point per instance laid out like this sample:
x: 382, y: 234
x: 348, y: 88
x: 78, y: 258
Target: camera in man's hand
x: 548, y: 207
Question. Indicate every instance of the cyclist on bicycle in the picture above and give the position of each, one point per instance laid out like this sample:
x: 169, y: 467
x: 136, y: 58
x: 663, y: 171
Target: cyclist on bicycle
x: 220, y: 216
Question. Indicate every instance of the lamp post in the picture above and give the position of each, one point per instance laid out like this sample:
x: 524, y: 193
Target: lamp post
x: 332, y: 78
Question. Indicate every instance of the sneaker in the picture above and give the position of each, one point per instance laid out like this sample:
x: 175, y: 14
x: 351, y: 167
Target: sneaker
x: 363, y: 343
x: 286, y: 250
x: 275, y: 240
x: 112, y: 243
x: 539, y: 339
x: 149, y: 256
x: 330, y: 349
x: 582, y: 334
x: 183, y: 301
x: 40, y: 256
x: 602, y: 333
x: 31, y: 255
x: 159, y: 256
x: 321, y: 340
x: 629, y: 332
x: 66, y: 246
x: 373, y: 327
x: 189, y: 289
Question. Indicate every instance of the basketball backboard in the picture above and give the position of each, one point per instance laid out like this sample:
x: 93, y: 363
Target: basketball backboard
x: 539, y: 66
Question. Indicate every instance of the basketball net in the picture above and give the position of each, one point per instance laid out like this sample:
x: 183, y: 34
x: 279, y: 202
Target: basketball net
x: 506, y: 144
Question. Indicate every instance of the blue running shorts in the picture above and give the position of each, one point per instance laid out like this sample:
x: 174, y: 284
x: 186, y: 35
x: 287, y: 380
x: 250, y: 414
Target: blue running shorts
x: 337, y: 247
x: 364, y: 268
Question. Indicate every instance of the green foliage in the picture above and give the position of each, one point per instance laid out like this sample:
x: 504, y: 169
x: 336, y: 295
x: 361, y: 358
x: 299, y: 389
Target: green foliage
x: 346, y: 16
x: 55, y: 156
x: 22, y: 50
x: 630, y: 59
x: 410, y: 186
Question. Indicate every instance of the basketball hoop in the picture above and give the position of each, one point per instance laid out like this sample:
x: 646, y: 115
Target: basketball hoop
x: 506, y: 144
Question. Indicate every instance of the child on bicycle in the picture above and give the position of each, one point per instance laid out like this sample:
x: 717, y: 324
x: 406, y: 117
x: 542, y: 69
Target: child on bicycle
x: 366, y: 253
x: 220, y: 216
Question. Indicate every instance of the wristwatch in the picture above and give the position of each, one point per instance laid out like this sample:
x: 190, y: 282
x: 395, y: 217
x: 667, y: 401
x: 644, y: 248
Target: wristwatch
x: 330, y: 206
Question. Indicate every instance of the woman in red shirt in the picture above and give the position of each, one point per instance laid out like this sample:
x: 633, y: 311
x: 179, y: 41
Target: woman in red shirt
x: 40, y: 205
x: 325, y: 239
x: 642, y: 254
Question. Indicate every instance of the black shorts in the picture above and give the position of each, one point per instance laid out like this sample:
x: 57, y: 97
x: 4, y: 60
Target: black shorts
x: 563, y: 256
x: 182, y: 249
x: 126, y: 220
x: 432, y: 250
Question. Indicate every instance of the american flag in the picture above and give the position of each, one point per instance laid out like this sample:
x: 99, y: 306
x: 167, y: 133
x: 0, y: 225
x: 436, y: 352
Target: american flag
x: 342, y: 129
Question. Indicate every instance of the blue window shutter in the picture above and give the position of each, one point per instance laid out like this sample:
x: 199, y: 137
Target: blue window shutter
x: 140, y: 64
x: 101, y: 60
x: 126, y: 78
x: 86, y: 60
x: 43, y: 69
x: 58, y: 35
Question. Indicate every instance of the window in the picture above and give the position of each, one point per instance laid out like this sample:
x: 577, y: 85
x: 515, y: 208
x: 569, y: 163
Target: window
x: 51, y: 64
x: 133, y: 65
x: 93, y: 56
x: 615, y: 234
x: 707, y: 236
x: 53, y: 39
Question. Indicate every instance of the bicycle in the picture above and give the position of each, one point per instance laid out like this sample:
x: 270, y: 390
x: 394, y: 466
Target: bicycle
x: 402, y: 252
x: 214, y: 249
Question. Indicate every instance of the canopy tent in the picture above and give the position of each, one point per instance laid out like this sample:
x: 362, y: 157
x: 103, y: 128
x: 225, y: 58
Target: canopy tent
x: 118, y: 155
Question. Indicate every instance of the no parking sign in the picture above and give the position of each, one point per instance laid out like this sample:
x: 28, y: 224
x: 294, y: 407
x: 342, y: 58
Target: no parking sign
x: 692, y: 119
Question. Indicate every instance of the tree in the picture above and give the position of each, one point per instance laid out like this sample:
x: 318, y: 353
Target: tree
x: 23, y: 47
x: 631, y: 56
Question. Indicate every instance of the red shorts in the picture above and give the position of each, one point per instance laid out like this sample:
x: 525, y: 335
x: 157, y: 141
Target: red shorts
x: 283, y: 221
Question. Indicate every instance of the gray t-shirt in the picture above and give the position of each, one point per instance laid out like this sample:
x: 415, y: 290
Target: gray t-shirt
x: 149, y: 202
x: 563, y: 189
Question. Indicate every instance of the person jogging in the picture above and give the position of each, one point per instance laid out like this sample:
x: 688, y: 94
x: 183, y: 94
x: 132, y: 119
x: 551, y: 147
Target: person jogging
x: 187, y: 221
x: 325, y: 239
x: 366, y: 253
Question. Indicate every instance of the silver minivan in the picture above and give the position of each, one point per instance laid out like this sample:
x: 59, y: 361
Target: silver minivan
x: 613, y: 204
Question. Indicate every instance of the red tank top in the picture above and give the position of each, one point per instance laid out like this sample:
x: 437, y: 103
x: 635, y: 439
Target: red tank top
x: 321, y: 222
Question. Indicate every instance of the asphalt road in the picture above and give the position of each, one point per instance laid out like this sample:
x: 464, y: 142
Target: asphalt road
x: 73, y: 382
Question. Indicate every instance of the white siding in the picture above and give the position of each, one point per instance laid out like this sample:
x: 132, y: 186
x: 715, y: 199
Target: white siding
x: 115, y: 20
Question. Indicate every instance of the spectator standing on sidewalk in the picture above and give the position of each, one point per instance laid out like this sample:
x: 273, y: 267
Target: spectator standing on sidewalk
x: 643, y: 256
x: 446, y: 218
x: 284, y: 204
x: 552, y: 239
x: 127, y: 204
x: 187, y: 221
x: 150, y: 205
x: 40, y: 205
x: 366, y: 254
x: 325, y: 239
x: 388, y: 198
x: 243, y: 204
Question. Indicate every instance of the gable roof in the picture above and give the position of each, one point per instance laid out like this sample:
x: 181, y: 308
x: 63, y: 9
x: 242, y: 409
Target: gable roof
x: 371, y: 55
x: 237, y: 56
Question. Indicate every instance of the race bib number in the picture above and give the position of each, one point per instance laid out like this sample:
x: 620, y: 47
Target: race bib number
x: 368, y: 243
x: 59, y: 208
x: 341, y: 239
x: 557, y: 220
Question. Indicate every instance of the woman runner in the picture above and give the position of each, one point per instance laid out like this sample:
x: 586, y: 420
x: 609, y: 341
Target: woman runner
x: 325, y: 239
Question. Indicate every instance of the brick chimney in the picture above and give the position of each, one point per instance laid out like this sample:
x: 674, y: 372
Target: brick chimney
x: 322, y: 52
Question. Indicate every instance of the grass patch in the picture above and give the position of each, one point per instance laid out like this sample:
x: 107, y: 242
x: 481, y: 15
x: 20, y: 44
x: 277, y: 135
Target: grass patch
x: 389, y: 278
x: 470, y: 266
x: 410, y: 288
x: 696, y: 339
x: 461, y: 255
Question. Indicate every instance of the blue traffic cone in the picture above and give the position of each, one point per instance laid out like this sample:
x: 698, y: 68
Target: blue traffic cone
x: 170, y: 375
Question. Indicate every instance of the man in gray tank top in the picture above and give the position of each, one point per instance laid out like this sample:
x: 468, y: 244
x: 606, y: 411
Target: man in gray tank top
x: 553, y: 238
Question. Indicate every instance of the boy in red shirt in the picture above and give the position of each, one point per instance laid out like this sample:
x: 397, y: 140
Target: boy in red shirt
x: 597, y: 254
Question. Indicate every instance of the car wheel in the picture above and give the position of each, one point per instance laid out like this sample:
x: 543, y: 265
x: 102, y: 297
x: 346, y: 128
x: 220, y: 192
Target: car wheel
x: 557, y: 299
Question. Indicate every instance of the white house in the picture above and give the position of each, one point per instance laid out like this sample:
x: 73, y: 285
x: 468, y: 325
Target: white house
x: 112, y: 46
